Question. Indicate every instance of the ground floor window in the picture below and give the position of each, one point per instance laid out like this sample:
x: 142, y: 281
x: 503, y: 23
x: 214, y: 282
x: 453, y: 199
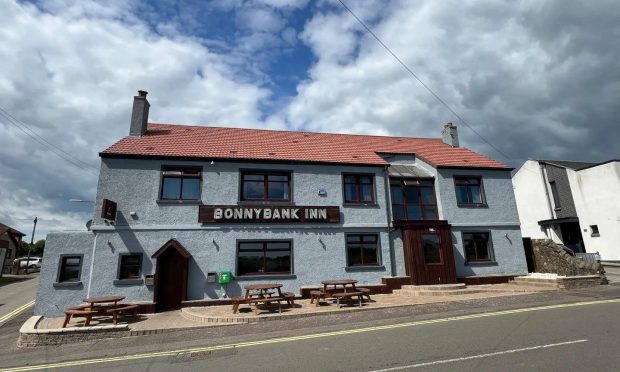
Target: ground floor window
x: 362, y: 249
x: 273, y: 257
x: 130, y: 266
x: 70, y: 269
x: 477, y: 246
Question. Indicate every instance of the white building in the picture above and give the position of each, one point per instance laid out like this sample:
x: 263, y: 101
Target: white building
x: 573, y: 203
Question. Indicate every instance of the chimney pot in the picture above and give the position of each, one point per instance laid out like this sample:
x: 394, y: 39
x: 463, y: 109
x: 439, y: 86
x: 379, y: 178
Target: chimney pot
x: 449, y: 135
x: 139, y: 114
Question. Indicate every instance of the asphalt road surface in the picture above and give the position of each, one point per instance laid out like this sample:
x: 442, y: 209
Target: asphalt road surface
x: 16, y: 298
x: 567, y: 337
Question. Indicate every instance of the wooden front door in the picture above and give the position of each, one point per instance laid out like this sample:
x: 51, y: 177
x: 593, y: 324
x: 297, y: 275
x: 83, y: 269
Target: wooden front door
x: 428, y: 252
x: 171, y: 276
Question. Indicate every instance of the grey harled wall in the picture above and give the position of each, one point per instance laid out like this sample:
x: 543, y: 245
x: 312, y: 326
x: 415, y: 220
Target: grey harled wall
x: 51, y: 298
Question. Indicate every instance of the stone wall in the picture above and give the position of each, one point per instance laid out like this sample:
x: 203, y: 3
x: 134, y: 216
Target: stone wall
x: 551, y: 258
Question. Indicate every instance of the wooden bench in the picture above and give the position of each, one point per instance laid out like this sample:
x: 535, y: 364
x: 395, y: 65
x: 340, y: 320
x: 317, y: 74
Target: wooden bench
x: 267, y: 301
x: 122, y: 308
x: 316, y: 296
x: 289, y: 297
x: 236, y: 301
x: 348, y: 296
x: 84, y: 311
x: 365, y: 292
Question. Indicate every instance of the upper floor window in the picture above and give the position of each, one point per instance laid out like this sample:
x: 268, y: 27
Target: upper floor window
x: 413, y: 199
x: 266, y: 186
x: 180, y: 184
x: 477, y: 246
x: 556, y: 196
x: 130, y: 266
x: 70, y: 269
x: 359, y: 188
x: 469, y: 191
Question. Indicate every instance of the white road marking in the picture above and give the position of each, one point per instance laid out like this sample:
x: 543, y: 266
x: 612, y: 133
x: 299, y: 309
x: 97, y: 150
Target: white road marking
x: 480, y: 356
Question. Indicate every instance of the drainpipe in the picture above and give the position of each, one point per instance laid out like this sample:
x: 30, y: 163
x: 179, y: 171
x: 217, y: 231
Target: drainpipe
x: 92, y: 265
x: 388, y: 209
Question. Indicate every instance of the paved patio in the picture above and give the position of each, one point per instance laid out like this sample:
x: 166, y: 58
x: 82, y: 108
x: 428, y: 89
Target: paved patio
x: 207, y: 316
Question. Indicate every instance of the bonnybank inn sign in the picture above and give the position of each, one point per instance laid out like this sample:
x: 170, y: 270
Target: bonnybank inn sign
x: 270, y: 214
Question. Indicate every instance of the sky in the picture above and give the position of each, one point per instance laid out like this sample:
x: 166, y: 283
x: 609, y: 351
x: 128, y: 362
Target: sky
x: 537, y: 79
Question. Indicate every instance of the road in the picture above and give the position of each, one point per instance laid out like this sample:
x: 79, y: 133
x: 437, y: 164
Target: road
x: 17, y: 297
x: 568, y: 337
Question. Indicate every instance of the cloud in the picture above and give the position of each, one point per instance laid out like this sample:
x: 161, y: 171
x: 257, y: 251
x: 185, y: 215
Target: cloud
x: 70, y: 76
x: 537, y: 79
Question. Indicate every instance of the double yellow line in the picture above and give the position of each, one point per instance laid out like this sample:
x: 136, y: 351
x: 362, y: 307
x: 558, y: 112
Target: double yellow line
x: 16, y: 312
x: 183, y: 352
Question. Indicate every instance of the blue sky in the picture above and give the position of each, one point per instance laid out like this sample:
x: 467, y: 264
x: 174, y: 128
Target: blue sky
x: 538, y: 79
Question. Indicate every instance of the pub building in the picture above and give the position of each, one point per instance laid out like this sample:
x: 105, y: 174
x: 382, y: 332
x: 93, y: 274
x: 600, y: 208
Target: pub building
x: 187, y: 215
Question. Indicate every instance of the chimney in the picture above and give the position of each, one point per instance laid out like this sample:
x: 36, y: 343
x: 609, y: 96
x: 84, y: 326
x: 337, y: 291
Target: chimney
x: 449, y: 135
x: 140, y: 114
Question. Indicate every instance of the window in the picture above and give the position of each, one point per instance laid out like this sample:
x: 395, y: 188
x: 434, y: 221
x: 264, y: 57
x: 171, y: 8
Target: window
x: 358, y: 188
x: 594, y: 230
x: 432, y: 249
x: 469, y: 191
x: 130, y: 266
x: 180, y: 184
x: 264, y: 257
x: 413, y: 199
x: 70, y: 269
x: 266, y: 186
x: 477, y: 247
x: 362, y: 250
x: 554, y: 193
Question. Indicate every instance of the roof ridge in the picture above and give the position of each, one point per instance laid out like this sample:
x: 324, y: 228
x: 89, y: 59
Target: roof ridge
x: 296, y: 131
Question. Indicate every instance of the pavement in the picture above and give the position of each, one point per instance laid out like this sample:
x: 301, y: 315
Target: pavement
x: 18, y: 296
x: 217, y: 315
x: 346, y: 341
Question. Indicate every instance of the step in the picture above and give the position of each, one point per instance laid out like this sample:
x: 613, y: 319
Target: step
x: 410, y: 292
x: 525, y: 279
x: 534, y: 284
x: 436, y: 287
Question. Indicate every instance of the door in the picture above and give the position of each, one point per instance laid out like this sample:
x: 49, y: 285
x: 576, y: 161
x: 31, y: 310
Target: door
x: 571, y: 236
x: 428, y: 252
x: 171, y: 276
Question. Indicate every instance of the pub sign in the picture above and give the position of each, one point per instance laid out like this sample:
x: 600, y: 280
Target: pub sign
x: 268, y: 214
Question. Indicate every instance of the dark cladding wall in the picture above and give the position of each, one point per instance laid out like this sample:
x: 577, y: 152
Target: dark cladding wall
x: 560, y: 177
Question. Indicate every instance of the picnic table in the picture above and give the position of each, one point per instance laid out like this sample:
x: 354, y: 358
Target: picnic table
x: 339, y: 289
x: 101, y: 305
x: 266, y: 293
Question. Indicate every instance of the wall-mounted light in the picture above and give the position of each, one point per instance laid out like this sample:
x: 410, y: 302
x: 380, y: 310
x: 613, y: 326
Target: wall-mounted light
x: 322, y: 192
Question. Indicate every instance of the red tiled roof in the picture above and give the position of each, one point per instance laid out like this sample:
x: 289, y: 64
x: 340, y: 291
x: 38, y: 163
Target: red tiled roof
x: 184, y: 141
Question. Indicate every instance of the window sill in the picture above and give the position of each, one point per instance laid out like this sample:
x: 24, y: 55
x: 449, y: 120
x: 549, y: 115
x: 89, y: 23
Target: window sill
x: 595, y: 235
x: 67, y: 284
x: 128, y: 282
x: 265, y: 277
x: 483, y: 205
x: 175, y: 202
x: 362, y: 205
x: 481, y: 263
x: 364, y: 268
x: 265, y: 202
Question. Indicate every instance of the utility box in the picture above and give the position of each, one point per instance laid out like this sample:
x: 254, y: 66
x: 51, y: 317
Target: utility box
x: 149, y: 279
x: 211, y: 277
x: 224, y: 276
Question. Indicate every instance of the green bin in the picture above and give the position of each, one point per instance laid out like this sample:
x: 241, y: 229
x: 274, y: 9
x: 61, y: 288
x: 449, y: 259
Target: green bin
x: 224, y: 276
